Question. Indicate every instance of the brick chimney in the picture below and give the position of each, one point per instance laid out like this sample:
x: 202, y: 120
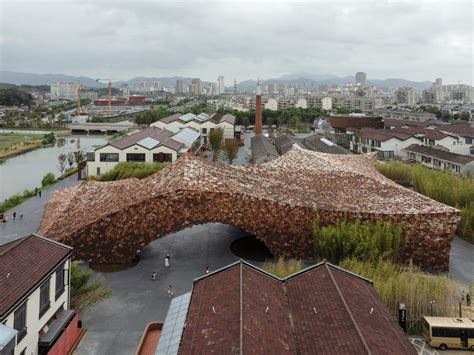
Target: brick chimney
x: 258, y: 110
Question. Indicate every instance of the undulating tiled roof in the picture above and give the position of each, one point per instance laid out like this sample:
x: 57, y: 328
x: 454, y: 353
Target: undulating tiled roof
x: 323, y: 310
x: 440, y: 154
x: 23, y: 264
x: 299, y: 178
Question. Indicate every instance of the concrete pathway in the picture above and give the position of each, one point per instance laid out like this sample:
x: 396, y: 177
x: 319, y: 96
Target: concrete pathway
x: 115, y: 325
x: 32, y: 212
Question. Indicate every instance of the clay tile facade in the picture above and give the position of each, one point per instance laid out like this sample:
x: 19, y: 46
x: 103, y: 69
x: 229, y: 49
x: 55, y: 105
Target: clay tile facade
x: 277, y: 201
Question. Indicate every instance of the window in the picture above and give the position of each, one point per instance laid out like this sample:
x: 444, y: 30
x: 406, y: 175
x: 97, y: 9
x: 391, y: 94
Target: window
x: 59, y: 281
x: 19, y: 322
x: 44, y: 299
x: 445, y: 332
x: 98, y: 171
x: 163, y: 157
x: 468, y: 140
x: 109, y: 157
x: 204, y: 131
x: 135, y: 156
x: 90, y: 156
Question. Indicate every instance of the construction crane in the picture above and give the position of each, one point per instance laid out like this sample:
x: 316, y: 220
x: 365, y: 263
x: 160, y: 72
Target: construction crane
x: 78, y: 109
x: 109, y: 93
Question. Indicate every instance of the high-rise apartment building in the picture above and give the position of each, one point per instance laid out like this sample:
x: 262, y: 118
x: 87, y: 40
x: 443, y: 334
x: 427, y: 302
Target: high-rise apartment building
x: 196, y: 86
x: 405, y: 96
x: 361, y: 78
x: 179, y: 86
x: 64, y: 91
x: 220, y: 83
x: 157, y: 86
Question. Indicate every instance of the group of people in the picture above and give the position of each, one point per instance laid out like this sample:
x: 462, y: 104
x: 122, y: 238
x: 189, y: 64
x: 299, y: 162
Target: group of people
x: 167, y: 265
x: 4, y: 216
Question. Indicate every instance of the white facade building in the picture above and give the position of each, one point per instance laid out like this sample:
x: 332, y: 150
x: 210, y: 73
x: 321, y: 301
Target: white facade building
x: 151, y: 145
x: 37, y: 279
x: 221, y: 85
x: 64, y: 91
x: 405, y: 96
x: 326, y: 103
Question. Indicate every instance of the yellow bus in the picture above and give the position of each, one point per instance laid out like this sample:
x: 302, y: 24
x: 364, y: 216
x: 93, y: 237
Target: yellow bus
x: 446, y: 332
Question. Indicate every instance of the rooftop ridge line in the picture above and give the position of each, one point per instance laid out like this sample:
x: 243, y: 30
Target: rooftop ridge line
x: 359, y: 333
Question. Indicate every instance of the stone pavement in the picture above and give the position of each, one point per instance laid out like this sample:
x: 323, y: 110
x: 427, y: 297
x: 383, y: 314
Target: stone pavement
x: 32, y: 210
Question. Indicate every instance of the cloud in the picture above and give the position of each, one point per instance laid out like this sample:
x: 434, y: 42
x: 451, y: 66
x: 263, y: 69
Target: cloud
x: 414, y: 40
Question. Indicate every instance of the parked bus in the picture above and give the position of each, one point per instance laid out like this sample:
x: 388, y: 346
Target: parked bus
x: 446, y: 332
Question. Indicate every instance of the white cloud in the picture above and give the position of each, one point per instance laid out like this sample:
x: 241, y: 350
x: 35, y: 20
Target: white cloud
x: 413, y: 40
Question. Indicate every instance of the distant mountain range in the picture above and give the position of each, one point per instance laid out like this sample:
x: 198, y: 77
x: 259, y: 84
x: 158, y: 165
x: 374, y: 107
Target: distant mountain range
x: 308, y: 79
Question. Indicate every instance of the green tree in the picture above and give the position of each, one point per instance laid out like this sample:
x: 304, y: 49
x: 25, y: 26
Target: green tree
x: 231, y: 148
x: 70, y: 159
x: 245, y: 122
x: 62, y: 160
x: 79, y: 156
x: 84, y: 291
x: 48, y: 179
x: 215, y: 141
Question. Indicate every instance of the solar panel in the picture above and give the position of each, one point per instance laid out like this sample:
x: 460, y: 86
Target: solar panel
x: 148, y: 143
x: 188, y: 117
x: 170, y: 336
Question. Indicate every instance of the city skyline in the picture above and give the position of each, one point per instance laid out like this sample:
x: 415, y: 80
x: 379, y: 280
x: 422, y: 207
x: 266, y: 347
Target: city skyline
x: 194, y: 39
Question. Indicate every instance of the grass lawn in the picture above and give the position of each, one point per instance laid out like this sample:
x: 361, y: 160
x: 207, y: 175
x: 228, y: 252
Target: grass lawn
x: 14, y: 143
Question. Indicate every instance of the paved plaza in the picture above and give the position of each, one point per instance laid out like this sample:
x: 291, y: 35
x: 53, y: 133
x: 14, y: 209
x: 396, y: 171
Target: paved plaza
x: 115, y: 325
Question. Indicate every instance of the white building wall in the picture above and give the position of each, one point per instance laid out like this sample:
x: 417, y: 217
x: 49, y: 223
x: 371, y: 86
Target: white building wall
x: 33, y: 322
x: 326, y: 103
x: 107, y: 166
x: 271, y: 104
x: 301, y: 103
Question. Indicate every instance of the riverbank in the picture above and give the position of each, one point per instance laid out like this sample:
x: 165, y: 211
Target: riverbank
x: 47, y: 181
x: 13, y: 144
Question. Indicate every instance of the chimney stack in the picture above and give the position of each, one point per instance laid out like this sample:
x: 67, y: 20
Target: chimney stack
x: 258, y: 110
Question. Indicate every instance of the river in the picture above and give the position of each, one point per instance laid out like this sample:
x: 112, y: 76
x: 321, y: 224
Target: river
x: 25, y: 171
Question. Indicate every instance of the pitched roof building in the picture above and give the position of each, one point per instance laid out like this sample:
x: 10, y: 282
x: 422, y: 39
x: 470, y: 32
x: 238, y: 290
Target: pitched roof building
x: 262, y: 149
x: 34, y: 297
x: 241, y: 308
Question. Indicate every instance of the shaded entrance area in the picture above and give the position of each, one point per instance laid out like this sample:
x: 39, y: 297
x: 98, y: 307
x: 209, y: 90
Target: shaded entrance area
x: 250, y: 248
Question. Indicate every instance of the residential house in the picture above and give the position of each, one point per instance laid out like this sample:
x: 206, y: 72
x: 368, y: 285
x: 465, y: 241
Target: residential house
x: 35, y: 314
x: 388, y: 143
x: 439, y: 159
x: 149, y: 145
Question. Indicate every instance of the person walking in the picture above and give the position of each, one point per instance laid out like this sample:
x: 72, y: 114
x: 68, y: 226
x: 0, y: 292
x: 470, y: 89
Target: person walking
x: 21, y: 214
x: 167, y: 260
x: 39, y: 193
x: 153, y: 276
x: 36, y: 191
x: 170, y: 292
x: 14, y: 215
x: 5, y: 218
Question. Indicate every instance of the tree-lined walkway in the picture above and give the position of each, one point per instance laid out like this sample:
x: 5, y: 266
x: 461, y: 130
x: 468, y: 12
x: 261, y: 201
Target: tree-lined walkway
x: 32, y: 212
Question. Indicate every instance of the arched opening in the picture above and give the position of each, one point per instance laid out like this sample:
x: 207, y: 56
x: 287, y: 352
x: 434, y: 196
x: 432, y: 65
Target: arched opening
x: 200, y: 246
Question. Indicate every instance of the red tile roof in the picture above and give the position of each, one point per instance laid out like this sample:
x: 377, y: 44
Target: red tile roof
x: 23, y: 264
x: 426, y: 132
x: 463, y: 130
x: 322, y: 309
x: 383, y: 134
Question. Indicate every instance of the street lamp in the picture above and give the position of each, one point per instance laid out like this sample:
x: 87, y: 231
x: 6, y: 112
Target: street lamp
x: 431, y: 307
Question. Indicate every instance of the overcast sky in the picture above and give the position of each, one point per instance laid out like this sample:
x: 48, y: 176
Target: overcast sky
x: 122, y: 39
